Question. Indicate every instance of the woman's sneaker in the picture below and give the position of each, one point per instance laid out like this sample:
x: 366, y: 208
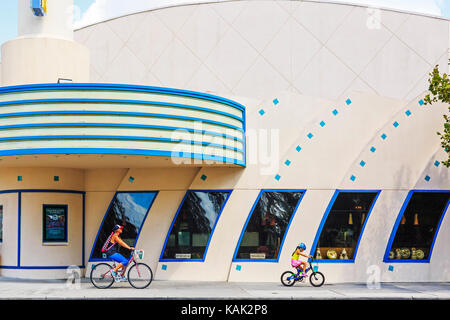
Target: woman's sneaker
x: 116, y: 276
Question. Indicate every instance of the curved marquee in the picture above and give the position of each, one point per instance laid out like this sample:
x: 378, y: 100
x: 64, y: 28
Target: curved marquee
x: 120, y: 119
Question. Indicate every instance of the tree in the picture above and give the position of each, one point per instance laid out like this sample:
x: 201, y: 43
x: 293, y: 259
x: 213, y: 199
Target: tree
x: 440, y: 92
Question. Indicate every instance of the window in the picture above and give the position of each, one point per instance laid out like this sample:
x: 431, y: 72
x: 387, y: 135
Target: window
x: 417, y: 226
x: 128, y: 209
x: 343, y: 225
x: 1, y: 223
x: 194, y: 223
x: 265, y: 230
x: 55, y: 223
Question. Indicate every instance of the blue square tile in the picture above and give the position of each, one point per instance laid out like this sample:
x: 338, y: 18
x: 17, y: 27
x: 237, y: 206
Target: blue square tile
x: 322, y: 123
x: 408, y: 113
x: 238, y: 267
x: 277, y: 177
x: 335, y: 112
x: 373, y: 149
x: 203, y: 177
x: 427, y: 178
x: 437, y: 163
x: 275, y: 101
x: 287, y: 162
x: 56, y: 178
x: 19, y: 178
x: 395, y: 124
x: 391, y: 268
x: 383, y: 136
x: 348, y: 102
x: 353, y: 178
x: 164, y: 267
x: 310, y: 135
x: 261, y: 112
x: 421, y: 102
x: 362, y: 163
x: 298, y: 148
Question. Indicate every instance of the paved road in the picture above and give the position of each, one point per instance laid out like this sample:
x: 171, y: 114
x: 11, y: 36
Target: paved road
x: 54, y: 289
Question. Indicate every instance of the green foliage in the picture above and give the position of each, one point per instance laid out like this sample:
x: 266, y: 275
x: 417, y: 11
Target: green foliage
x: 440, y: 92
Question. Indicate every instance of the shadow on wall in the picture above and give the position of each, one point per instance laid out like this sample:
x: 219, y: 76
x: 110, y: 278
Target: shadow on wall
x: 402, y: 177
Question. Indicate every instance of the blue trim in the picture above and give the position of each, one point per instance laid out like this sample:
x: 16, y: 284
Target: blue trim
x: 66, y: 213
x: 116, y: 113
x: 119, y: 101
x: 119, y: 87
x: 397, y: 223
x: 303, y: 191
x: 19, y: 223
x: 108, y: 137
x: 325, y: 217
x: 161, y: 259
x: 106, y: 213
x: 83, y: 245
x: 121, y: 152
x: 115, y: 125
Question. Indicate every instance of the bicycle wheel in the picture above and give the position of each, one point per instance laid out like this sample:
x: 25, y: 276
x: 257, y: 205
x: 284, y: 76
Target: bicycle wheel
x: 317, y: 279
x: 101, y: 276
x: 140, y: 276
x: 288, y: 278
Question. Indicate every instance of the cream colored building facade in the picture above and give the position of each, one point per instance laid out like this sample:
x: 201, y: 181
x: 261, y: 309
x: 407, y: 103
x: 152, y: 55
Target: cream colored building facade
x: 240, y: 97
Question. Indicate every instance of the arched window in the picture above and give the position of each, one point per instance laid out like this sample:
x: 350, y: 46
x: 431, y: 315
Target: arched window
x: 128, y: 209
x: 342, y: 226
x: 192, y: 228
x: 266, y: 227
x: 417, y: 226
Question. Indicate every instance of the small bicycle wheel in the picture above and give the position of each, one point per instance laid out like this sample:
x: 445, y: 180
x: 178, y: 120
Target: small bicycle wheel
x: 101, y: 276
x: 288, y: 278
x: 140, y: 276
x: 317, y: 279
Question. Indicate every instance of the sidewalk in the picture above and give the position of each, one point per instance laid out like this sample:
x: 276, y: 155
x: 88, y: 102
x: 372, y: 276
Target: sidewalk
x: 58, y: 289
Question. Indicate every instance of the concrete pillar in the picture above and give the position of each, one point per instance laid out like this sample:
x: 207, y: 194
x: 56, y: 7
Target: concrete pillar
x: 44, y: 50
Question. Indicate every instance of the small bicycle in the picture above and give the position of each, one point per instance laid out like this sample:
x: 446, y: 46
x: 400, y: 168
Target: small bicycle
x: 140, y: 275
x: 316, y: 278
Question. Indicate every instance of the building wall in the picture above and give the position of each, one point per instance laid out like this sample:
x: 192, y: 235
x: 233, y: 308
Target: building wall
x: 328, y: 78
x: 260, y: 48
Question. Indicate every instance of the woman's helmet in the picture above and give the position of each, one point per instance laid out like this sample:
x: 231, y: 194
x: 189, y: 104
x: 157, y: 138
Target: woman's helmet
x: 302, y: 245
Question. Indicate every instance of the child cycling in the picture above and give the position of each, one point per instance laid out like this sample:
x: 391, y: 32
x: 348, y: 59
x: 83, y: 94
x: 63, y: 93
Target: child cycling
x: 111, y: 248
x: 296, y: 262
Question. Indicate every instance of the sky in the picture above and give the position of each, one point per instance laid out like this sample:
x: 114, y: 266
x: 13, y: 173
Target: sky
x: 92, y: 11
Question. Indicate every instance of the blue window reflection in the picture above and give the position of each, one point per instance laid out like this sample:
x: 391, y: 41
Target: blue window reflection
x: 191, y: 231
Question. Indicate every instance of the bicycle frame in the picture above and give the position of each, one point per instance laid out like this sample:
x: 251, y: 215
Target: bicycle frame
x: 122, y: 273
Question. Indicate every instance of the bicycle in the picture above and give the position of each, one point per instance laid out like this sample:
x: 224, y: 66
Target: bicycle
x: 139, y: 276
x: 316, y: 278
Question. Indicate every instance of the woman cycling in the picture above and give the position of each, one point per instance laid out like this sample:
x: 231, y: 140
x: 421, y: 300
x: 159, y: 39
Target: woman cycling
x: 111, y: 248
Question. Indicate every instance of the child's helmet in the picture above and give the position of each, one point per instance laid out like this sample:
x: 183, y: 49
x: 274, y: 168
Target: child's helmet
x: 302, y: 245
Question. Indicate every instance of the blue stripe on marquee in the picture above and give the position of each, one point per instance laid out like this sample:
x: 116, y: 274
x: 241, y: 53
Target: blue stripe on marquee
x: 115, y: 113
x: 107, y: 137
x: 117, y: 101
x: 118, y: 87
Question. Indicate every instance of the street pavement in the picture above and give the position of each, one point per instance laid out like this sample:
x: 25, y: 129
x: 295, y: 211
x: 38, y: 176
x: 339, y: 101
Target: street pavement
x: 13, y: 289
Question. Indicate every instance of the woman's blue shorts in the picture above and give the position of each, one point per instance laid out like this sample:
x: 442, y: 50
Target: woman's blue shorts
x: 117, y: 257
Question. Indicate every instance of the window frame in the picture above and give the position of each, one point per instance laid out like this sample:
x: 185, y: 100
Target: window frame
x: 106, y: 213
x: 303, y: 191
x: 66, y: 225
x: 161, y: 259
x: 397, y: 223
x: 2, y: 219
x: 324, y: 220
